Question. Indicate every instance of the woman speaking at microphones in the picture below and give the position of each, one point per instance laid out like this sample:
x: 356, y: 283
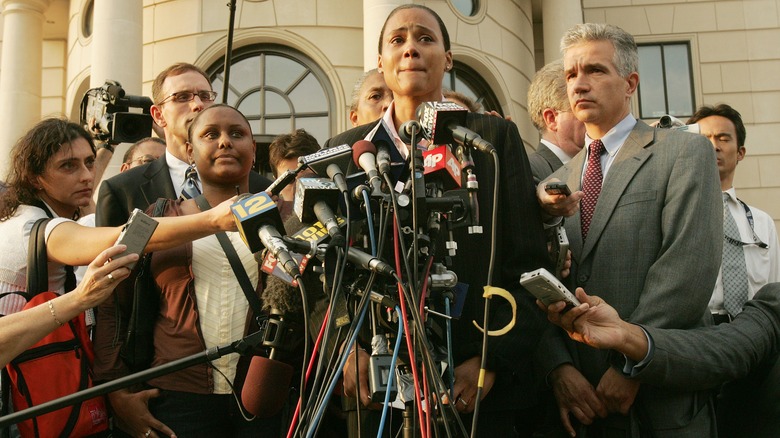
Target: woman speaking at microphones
x: 414, y: 55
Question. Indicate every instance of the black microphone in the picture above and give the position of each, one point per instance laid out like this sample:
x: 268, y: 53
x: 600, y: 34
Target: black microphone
x: 383, y: 158
x: 409, y: 129
x: 331, y: 162
x: 443, y: 123
x: 316, y: 199
x: 364, y: 155
x: 472, y: 185
x: 258, y: 222
x: 367, y: 261
x: 307, y: 241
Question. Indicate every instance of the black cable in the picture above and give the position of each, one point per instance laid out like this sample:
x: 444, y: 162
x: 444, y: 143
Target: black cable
x: 491, y: 266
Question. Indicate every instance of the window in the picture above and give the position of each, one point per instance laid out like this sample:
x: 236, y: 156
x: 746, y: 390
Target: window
x: 86, y: 20
x: 466, y: 7
x: 464, y: 79
x: 666, y: 80
x: 279, y: 90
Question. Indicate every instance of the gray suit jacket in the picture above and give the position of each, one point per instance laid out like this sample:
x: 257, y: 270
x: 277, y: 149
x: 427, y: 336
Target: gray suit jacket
x: 653, y: 252
x: 746, y: 349
x: 543, y: 162
x: 732, y: 350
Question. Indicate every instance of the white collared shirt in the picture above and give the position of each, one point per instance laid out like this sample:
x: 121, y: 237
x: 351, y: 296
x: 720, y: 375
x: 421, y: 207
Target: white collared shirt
x: 763, y: 264
x: 613, y: 140
x: 13, y: 256
x: 563, y: 156
x: 177, y: 169
x: 222, y: 305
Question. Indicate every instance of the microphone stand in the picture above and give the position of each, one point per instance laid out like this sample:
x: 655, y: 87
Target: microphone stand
x: 242, y: 346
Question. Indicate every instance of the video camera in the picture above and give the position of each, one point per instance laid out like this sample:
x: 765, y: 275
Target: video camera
x: 105, y: 113
x: 671, y: 122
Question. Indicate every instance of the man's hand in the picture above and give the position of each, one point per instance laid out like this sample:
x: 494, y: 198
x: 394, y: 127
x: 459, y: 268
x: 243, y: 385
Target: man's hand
x: 576, y: 396
x: 558, y: 205
x: 132, y: 412
x: 466, y: 380
x: 349, y: 382
x: 617, y: 391
x: 596, y: 323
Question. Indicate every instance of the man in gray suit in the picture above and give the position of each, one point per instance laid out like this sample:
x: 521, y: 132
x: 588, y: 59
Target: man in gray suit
x: 562, y: 135
x: 645, y: 232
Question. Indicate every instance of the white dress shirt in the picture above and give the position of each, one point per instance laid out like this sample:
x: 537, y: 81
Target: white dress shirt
x: 763, y: 264
x: 222, y: 305
x: 177, y: 169
x: 613, y: 140
x: 13, y: 256
x: 563, y: 156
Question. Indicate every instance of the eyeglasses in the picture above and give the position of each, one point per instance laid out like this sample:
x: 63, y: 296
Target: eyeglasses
x: 186, y: 96
x: 143, y: 159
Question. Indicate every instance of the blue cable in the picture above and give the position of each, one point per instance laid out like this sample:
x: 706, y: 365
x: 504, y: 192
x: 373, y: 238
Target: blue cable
x: 397, y: 348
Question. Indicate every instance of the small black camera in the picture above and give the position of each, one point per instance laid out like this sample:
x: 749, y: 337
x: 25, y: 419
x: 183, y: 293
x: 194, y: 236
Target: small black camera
x: 105, y: 113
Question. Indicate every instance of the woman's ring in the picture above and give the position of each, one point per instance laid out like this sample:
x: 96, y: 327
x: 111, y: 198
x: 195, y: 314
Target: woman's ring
x: 465, y: 403
x: 148, y: 432
x: 111, y: 278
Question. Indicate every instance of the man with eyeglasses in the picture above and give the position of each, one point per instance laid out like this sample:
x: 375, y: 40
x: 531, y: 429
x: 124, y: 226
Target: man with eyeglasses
x: 179, y: 93
x: 142, y: 152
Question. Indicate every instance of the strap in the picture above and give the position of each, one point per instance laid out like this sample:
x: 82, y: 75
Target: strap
x: 749, y: 215
x: 37, y: 259
x: 235, y: 263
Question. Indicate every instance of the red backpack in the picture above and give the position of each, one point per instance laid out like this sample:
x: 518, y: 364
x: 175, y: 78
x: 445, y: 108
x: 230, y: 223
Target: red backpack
x: 59, y: 365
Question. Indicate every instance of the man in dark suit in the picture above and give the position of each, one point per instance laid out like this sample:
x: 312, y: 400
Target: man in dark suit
x: 180, y: 92
x: 645, y: 233
x: 562, y: 134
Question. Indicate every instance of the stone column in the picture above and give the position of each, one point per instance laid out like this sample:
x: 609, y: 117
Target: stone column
x: 117, y: 44
x: 20, y: 70
x: 374, y: 14
x: 557, y: 17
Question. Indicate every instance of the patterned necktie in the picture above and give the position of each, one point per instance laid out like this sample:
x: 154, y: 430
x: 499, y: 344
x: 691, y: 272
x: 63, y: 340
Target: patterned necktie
x: 735, y: 281
x: 591, y: 185
x: 189, y: 188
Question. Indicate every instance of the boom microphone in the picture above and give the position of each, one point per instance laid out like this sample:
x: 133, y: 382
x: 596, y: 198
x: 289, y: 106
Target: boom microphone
x: 331, y: 162
x: 258, y: 222
x: 443, y: 123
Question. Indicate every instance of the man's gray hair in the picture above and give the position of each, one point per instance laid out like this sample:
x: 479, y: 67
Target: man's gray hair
x: 626, y: 57
x: 547, y: 90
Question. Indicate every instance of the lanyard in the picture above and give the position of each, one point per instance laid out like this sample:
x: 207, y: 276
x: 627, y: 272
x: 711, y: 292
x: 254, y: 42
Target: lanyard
x: 756, y: 240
